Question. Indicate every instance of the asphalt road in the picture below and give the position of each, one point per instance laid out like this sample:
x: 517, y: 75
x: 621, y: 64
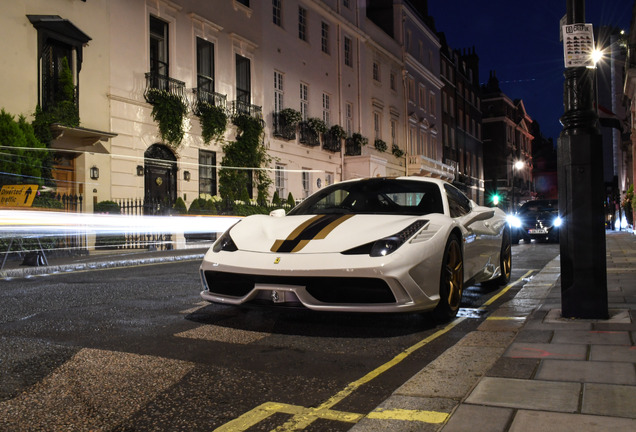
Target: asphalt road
x: 135, y: 349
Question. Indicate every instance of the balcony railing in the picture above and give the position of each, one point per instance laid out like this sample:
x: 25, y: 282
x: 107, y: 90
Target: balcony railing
x: 331, y: 142
x: 352, y: 147
x: 308, y: 136
x: 282, y: 129
x: 420, y: 163
x: 202, y: 96
x: 156, y: 82
x: 240, y: 107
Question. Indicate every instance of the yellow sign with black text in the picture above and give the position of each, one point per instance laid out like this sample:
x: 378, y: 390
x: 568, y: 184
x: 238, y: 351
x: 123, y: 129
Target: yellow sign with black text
x: 17, y: 195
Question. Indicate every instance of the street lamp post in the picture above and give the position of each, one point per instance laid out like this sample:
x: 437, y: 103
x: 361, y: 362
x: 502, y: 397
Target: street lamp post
x: 581, y: 194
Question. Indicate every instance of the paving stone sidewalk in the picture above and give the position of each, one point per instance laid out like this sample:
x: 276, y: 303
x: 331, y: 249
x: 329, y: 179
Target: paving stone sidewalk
x: 538, y: 372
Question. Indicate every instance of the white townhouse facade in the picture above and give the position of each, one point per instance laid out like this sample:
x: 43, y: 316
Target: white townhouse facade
x: 325, y: 59
x: 36, y: 35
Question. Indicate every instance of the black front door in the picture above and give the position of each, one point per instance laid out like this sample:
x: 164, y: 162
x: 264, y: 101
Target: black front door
x: 160, y: 172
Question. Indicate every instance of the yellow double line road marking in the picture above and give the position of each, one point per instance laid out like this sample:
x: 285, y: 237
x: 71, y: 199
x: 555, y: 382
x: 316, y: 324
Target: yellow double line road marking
x: 303, y: 417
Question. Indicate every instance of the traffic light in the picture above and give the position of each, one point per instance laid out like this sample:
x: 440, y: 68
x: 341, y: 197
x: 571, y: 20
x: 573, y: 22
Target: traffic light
x: 495, y: 199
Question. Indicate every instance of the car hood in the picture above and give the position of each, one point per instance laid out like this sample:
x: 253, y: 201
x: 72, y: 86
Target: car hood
x: 319, y: 233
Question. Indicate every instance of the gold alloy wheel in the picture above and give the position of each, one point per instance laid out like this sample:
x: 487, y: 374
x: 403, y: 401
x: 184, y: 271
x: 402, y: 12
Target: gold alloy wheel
x: 506, y: 260
x: 454, y: 274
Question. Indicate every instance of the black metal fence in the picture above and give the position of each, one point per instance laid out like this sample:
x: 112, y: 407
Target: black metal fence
x: 156, y: 240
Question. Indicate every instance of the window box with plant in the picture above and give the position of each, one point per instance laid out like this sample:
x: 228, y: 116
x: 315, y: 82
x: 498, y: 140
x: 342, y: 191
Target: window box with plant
x: 354, y: 144
x: 285, y: 123
x: 380, y: 145
x: 311, y: 130
x: 397, y: 151
x: 332, y: 139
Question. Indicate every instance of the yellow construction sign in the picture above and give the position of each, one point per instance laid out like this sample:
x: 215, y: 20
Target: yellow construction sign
x: 17, y: 195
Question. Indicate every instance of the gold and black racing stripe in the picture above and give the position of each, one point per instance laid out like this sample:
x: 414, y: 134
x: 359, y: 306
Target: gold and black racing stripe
x: 316, y: 228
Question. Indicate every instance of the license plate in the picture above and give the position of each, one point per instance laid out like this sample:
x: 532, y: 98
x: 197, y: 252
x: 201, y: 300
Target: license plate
x: 538, y: 231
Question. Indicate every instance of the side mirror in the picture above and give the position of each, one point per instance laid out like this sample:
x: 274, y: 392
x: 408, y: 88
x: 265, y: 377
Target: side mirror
x: 277, y: 213
x: 479, y: 214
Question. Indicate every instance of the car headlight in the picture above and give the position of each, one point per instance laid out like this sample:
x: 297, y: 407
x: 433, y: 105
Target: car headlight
x: 390, y: 244
x: 513, y: 221
x: 558, y: 221
x: 225, y: 243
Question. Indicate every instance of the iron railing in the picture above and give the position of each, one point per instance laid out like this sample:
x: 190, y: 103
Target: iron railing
x: 308, y: 136
x: 156, y: 82
x: 282, y: 128
x: 331, y: 142
x: 202, y: 96
x: 238, y: 107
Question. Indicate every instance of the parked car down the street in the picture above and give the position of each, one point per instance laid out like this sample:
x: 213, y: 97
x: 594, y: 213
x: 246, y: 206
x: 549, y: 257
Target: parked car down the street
x: 538, y: 220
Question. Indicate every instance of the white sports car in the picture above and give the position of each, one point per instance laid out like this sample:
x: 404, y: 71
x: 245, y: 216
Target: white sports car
x: 370, y: 245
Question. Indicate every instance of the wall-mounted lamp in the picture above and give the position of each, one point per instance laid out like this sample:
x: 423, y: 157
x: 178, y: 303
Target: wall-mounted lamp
x: 140, y: 170
x: 186, y: 175
x: 94, y: 172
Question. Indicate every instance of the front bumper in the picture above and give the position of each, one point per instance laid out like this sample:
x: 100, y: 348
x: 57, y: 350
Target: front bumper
x: 326, y: 282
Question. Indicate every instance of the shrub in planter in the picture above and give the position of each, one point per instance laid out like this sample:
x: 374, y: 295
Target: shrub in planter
x: 397, y: 151
x: 380, y: 145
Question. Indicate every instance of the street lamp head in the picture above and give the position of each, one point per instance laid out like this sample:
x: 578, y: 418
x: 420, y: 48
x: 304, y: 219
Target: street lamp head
x: 597, y: 56
x: 519, y: 165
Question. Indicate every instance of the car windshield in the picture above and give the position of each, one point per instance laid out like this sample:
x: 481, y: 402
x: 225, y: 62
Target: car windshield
x: 374, y: 196
x: 533, y: 207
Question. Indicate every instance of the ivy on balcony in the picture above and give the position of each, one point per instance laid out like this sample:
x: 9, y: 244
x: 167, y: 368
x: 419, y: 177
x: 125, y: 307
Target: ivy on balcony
x: 166, y: 95
x: 210, y: 107
x: 285, y: 123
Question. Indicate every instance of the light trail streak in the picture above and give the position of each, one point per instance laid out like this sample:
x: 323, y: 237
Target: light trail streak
x: 21, y: 223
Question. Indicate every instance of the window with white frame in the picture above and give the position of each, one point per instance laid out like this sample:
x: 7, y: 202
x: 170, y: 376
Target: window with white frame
x: 423, y: 97
x: 278, y: 91
x: 393, y: 81
x: 302, y: 23
x: 280, y: 180
x: 326, y: 109
x: 276, y: 12
x: 207, y: 172
x: 377, y: 125
x: 348, y: 51
x: 412, y: 140
x: 304, y: 101
x: 432, y: 102
x: 306, y: 179
x: 324, y: 37
x: 411, y: 89
x: 394, y: 129
x: 328, y: 178
x: 376, y: 71
x: 349, y: 118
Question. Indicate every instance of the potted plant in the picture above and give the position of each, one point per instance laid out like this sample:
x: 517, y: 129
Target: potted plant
x: 397, y: 151
x: 380, y: 145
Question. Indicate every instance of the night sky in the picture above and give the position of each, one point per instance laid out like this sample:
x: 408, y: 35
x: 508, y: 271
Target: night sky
x: 520, y: 41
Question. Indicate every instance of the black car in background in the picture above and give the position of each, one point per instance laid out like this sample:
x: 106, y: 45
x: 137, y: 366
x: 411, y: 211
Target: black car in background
x: 538, y: 219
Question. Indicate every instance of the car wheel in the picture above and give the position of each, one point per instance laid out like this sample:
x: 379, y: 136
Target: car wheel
x: 451, y: 285
x: 505, y: 261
